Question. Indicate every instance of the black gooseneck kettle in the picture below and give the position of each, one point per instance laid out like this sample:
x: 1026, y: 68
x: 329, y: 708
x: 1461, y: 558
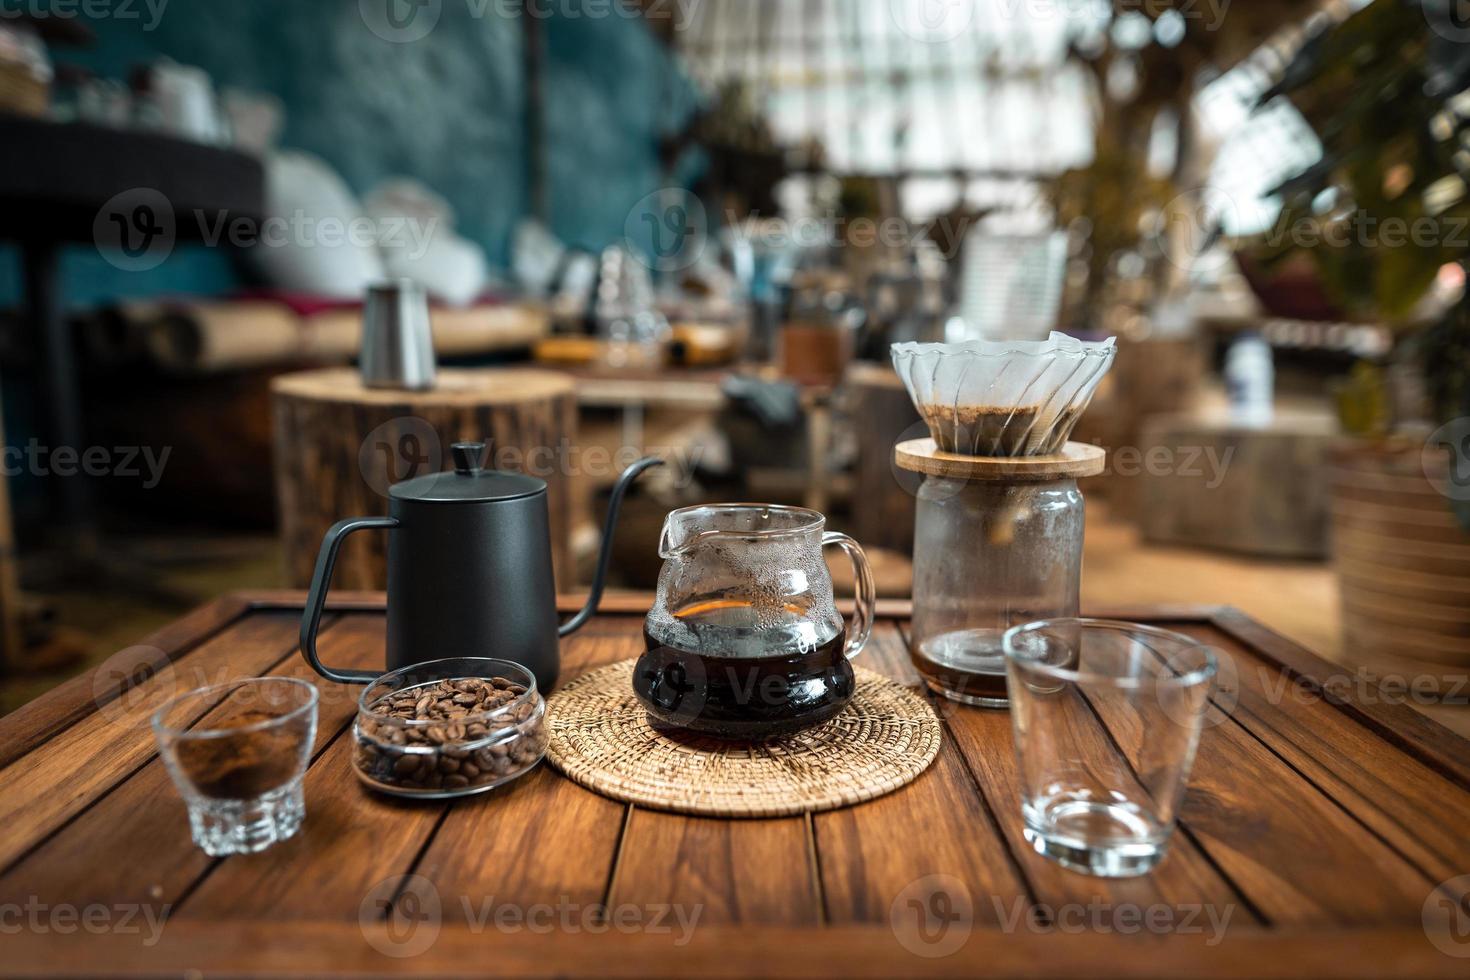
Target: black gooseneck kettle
x: 469, y: 569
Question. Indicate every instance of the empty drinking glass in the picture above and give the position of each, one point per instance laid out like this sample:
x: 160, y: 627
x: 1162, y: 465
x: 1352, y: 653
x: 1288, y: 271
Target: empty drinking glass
x: 1106, y: 718
x: 237, y: 752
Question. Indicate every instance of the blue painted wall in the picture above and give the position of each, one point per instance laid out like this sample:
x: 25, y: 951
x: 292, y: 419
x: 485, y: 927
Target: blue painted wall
x: 446, y: 109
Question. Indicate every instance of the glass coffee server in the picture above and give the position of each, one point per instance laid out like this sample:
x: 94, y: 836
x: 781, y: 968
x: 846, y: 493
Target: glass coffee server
x: 997, y: 543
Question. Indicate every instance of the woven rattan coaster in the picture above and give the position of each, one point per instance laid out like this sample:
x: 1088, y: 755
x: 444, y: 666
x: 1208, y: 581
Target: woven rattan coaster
x: 600, y: 738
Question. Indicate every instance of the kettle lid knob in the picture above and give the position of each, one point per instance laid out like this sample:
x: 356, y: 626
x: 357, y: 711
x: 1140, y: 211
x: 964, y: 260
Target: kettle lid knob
x: 467, y: 457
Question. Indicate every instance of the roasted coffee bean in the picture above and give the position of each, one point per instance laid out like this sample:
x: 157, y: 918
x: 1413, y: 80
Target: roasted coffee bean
x: 443, y: 717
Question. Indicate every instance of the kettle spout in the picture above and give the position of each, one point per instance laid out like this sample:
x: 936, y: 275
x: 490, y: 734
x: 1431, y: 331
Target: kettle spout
x: 605, y: 556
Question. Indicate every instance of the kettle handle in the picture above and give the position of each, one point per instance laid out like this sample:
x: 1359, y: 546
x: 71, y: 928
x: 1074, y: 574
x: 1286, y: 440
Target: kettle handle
x: 316, y: 599
x: 867, y: 592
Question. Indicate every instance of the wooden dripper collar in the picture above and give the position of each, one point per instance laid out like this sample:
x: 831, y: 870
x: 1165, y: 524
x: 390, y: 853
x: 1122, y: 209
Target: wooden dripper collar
x: 1076, y: 459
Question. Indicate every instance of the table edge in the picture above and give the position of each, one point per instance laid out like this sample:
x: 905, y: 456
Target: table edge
x: 347, y: 948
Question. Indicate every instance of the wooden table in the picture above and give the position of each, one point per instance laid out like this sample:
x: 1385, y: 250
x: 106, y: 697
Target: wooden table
x: 1316, y: 833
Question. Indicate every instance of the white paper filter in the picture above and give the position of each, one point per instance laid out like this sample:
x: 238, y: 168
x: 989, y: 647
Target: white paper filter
x: 1003, y: 398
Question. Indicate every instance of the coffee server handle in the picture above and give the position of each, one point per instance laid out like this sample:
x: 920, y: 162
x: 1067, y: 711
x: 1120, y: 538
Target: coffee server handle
x: 316, y: 599
x: 867, y: 593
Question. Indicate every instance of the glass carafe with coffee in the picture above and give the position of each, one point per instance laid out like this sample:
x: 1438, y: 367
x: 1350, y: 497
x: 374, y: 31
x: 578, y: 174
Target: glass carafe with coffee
x: 744, y: 640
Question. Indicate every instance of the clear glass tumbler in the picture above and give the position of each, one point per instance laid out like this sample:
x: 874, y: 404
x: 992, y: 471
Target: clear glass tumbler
x: 237, y: 752
x: 1106, y: 718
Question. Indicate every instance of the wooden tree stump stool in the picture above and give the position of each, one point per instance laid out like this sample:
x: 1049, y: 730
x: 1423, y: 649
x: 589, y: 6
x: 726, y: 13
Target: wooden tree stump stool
x: 882, y: 415
x: 339, y: 446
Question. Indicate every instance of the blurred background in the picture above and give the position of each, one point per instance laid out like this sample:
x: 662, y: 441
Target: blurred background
x: 694, y: 227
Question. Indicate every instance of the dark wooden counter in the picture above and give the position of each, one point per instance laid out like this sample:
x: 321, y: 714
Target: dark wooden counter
x: 1320, y: 836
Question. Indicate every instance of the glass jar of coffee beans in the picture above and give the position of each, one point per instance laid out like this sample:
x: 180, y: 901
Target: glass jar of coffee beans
x: 449, y: 728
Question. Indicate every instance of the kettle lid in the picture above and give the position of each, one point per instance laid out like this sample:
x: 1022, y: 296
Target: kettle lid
x: 468, y: 482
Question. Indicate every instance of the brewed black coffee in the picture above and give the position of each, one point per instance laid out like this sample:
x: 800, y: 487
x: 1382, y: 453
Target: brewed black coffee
x: 738, y: 668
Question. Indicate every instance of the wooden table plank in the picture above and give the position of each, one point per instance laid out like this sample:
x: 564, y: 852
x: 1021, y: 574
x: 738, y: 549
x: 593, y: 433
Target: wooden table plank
x: 725, y: 871
x: 938, y: 825
x: 1280, y: 837
x: 321, y: 948
x: 1398, y: 724
x: 515, y: 844
x: 1416, y: 809
x: 144, y: 815
x: 59, y: 779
